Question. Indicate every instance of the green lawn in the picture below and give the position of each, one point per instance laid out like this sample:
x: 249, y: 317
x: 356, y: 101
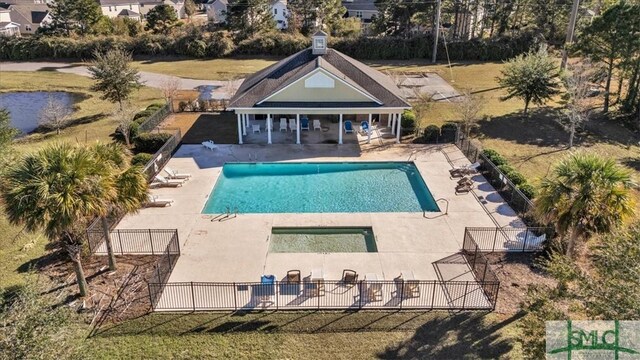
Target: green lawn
x: 309, y: 335
x: 212, y: 69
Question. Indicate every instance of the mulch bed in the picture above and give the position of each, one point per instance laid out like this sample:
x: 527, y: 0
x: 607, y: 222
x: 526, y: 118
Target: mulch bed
x: 516, y: 271
x: 113, y: 296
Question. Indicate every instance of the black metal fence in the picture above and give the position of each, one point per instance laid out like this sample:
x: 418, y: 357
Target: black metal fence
x: 325, y: 294
x: 154, y: 120
x: 163, y: 268
x: 507, y: 189
x: 481, y: 269
x: 162, y: 156
x: 95, y: 232
x: 136, y: 241
x: 495, y: 239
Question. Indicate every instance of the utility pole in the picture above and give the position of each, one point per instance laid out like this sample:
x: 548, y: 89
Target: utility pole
x: 570, y: 30
x: 437, y: 31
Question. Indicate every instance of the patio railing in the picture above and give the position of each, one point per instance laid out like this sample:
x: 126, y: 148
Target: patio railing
x: 495, y: 239
x: 163, y: 268
x: 326, y: 294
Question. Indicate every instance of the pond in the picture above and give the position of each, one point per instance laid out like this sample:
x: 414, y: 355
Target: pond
x: 24, y: 107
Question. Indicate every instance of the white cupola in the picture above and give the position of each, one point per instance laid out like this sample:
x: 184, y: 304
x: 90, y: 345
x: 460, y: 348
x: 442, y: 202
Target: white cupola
x: 319, y: 43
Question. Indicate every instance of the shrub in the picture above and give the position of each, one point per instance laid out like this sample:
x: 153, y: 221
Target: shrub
x: 512, y: 174
x: 431, y: 133
x: 448, y: 132
x: 141, y: 159
x: 182, y: 106
x: 155, y: 106
x: 150, y: 142
x: 408, y: 119
x: 527, y: 190
x: 494, y: 157
x: 143, y: 115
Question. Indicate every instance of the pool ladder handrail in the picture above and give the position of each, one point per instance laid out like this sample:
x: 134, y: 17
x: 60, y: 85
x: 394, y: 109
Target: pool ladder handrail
x: 446, y: 210
x: 226, y: 215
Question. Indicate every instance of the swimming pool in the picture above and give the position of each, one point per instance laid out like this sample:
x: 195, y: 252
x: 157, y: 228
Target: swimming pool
x: 323, y: 187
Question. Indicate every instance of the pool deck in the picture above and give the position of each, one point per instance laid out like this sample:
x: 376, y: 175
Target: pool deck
x: 236, y: 248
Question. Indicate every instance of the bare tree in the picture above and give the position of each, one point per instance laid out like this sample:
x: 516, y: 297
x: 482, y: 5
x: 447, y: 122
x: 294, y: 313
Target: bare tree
x: 421, y: 103
x: 229, y: 89
x: 170, y: 88
x: 55, y: 114
x: 124, y: 116
x: 577, y: 84
x: 468, y: 110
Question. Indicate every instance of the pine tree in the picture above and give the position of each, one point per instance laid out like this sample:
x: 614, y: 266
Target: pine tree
x: 249, y: 17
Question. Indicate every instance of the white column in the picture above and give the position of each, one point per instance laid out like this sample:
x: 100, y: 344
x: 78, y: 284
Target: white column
x: 340, y: 131
x: 399, y: 129
x: 245, y: 119
x: 389, y: 121
x: 369, y: 131
x: 393, y: 124
x: 297, y: 128
x: 240, y: 129
x: 268, y: 129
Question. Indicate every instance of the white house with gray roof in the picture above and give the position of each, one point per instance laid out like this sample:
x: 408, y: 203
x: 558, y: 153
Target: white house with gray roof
x: 365, y: 10
x: 137, y: 10
x: 217, y: 9
x: 318, y: 81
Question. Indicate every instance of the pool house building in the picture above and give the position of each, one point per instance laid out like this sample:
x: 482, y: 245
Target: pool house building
x: 319, y: 90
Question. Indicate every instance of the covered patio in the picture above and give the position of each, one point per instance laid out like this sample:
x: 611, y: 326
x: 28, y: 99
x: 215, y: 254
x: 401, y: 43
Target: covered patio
x: 320, y: 129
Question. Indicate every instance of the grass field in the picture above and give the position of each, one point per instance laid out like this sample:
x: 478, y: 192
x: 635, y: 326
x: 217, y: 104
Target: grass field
x: 212, y: 69
x: 309, y: 335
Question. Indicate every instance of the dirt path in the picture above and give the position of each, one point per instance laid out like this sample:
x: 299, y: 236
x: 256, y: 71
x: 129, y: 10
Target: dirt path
x: 209, y: 89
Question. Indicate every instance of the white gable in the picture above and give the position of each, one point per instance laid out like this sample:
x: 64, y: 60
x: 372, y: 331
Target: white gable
x: 319, y: 80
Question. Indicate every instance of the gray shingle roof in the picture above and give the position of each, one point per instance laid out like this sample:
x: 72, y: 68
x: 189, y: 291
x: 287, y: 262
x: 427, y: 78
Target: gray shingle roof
x: 362, y: 5
x: 283, y: 73
x: 127, y: 12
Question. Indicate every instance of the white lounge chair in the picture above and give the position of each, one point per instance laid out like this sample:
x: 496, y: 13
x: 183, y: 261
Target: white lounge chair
x: 256, y: 128
x: 532, y: 241
x: 292, y: 125
x: 317, y: 125
x: 155, y: 201
x: 172, y: 174
x: 464, y: 170
x: 283, y: 124
x: 209, y: 144
x: 161, y: 181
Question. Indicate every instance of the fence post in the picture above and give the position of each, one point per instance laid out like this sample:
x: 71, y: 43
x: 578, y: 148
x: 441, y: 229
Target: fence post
x: 433, y: 294
x: 153, y: 306
x: 495, y: 237
x: 151, y: 242
x: 464, y: 299
x: 276, y: 293
x: 486, y: 266
x: 401, y: 293
x: 475, y: 256
x: 235, y: 296
x: 193, y: 297
x: 526, y: 237
x: 120, y: 241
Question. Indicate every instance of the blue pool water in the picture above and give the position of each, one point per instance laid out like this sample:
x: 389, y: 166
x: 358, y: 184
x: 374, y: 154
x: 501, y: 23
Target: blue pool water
x: 320, y: 188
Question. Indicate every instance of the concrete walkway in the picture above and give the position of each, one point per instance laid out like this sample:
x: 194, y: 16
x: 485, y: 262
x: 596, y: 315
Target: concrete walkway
x: 209, y: 89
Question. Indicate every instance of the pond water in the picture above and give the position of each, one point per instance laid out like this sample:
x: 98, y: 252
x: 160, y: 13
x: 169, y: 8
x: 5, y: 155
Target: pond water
x: 24, y: 107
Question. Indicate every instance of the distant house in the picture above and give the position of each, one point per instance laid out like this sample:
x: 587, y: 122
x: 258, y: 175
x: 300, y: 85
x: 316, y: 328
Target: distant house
x: 217, y: 9
x: 8, y: 27
x: 137, y: 9
x: 365, y: 10
x: 30, y: 15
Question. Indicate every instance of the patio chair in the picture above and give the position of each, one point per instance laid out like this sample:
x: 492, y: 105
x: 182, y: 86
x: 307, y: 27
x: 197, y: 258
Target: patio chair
x: 293, y: 276
x: 304, y: 124
x: 463, y: 189
x: 292, y: 125
x: 161, y: 181
x: 349, y: 277
x: 154, y: 201
x: 465, y: 181
x: 348, y: 127
x: 364, y: 127
x: 532, y: 241
x: 317, y: 125
x: 410, y: 286
x: 209, y: 145
x: 464, y: 170
x: 172, y: 174
x: 256, y: 128
x: 373, y: 291
x: 283, y: 124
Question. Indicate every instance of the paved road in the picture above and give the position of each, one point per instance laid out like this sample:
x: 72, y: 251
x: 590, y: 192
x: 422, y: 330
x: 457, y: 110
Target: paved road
x: 209, y: 89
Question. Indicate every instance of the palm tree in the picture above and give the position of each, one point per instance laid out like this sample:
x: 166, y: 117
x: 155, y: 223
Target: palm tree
x: 129, y: 191
x: 585, y: 194
x: 55, y: 190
